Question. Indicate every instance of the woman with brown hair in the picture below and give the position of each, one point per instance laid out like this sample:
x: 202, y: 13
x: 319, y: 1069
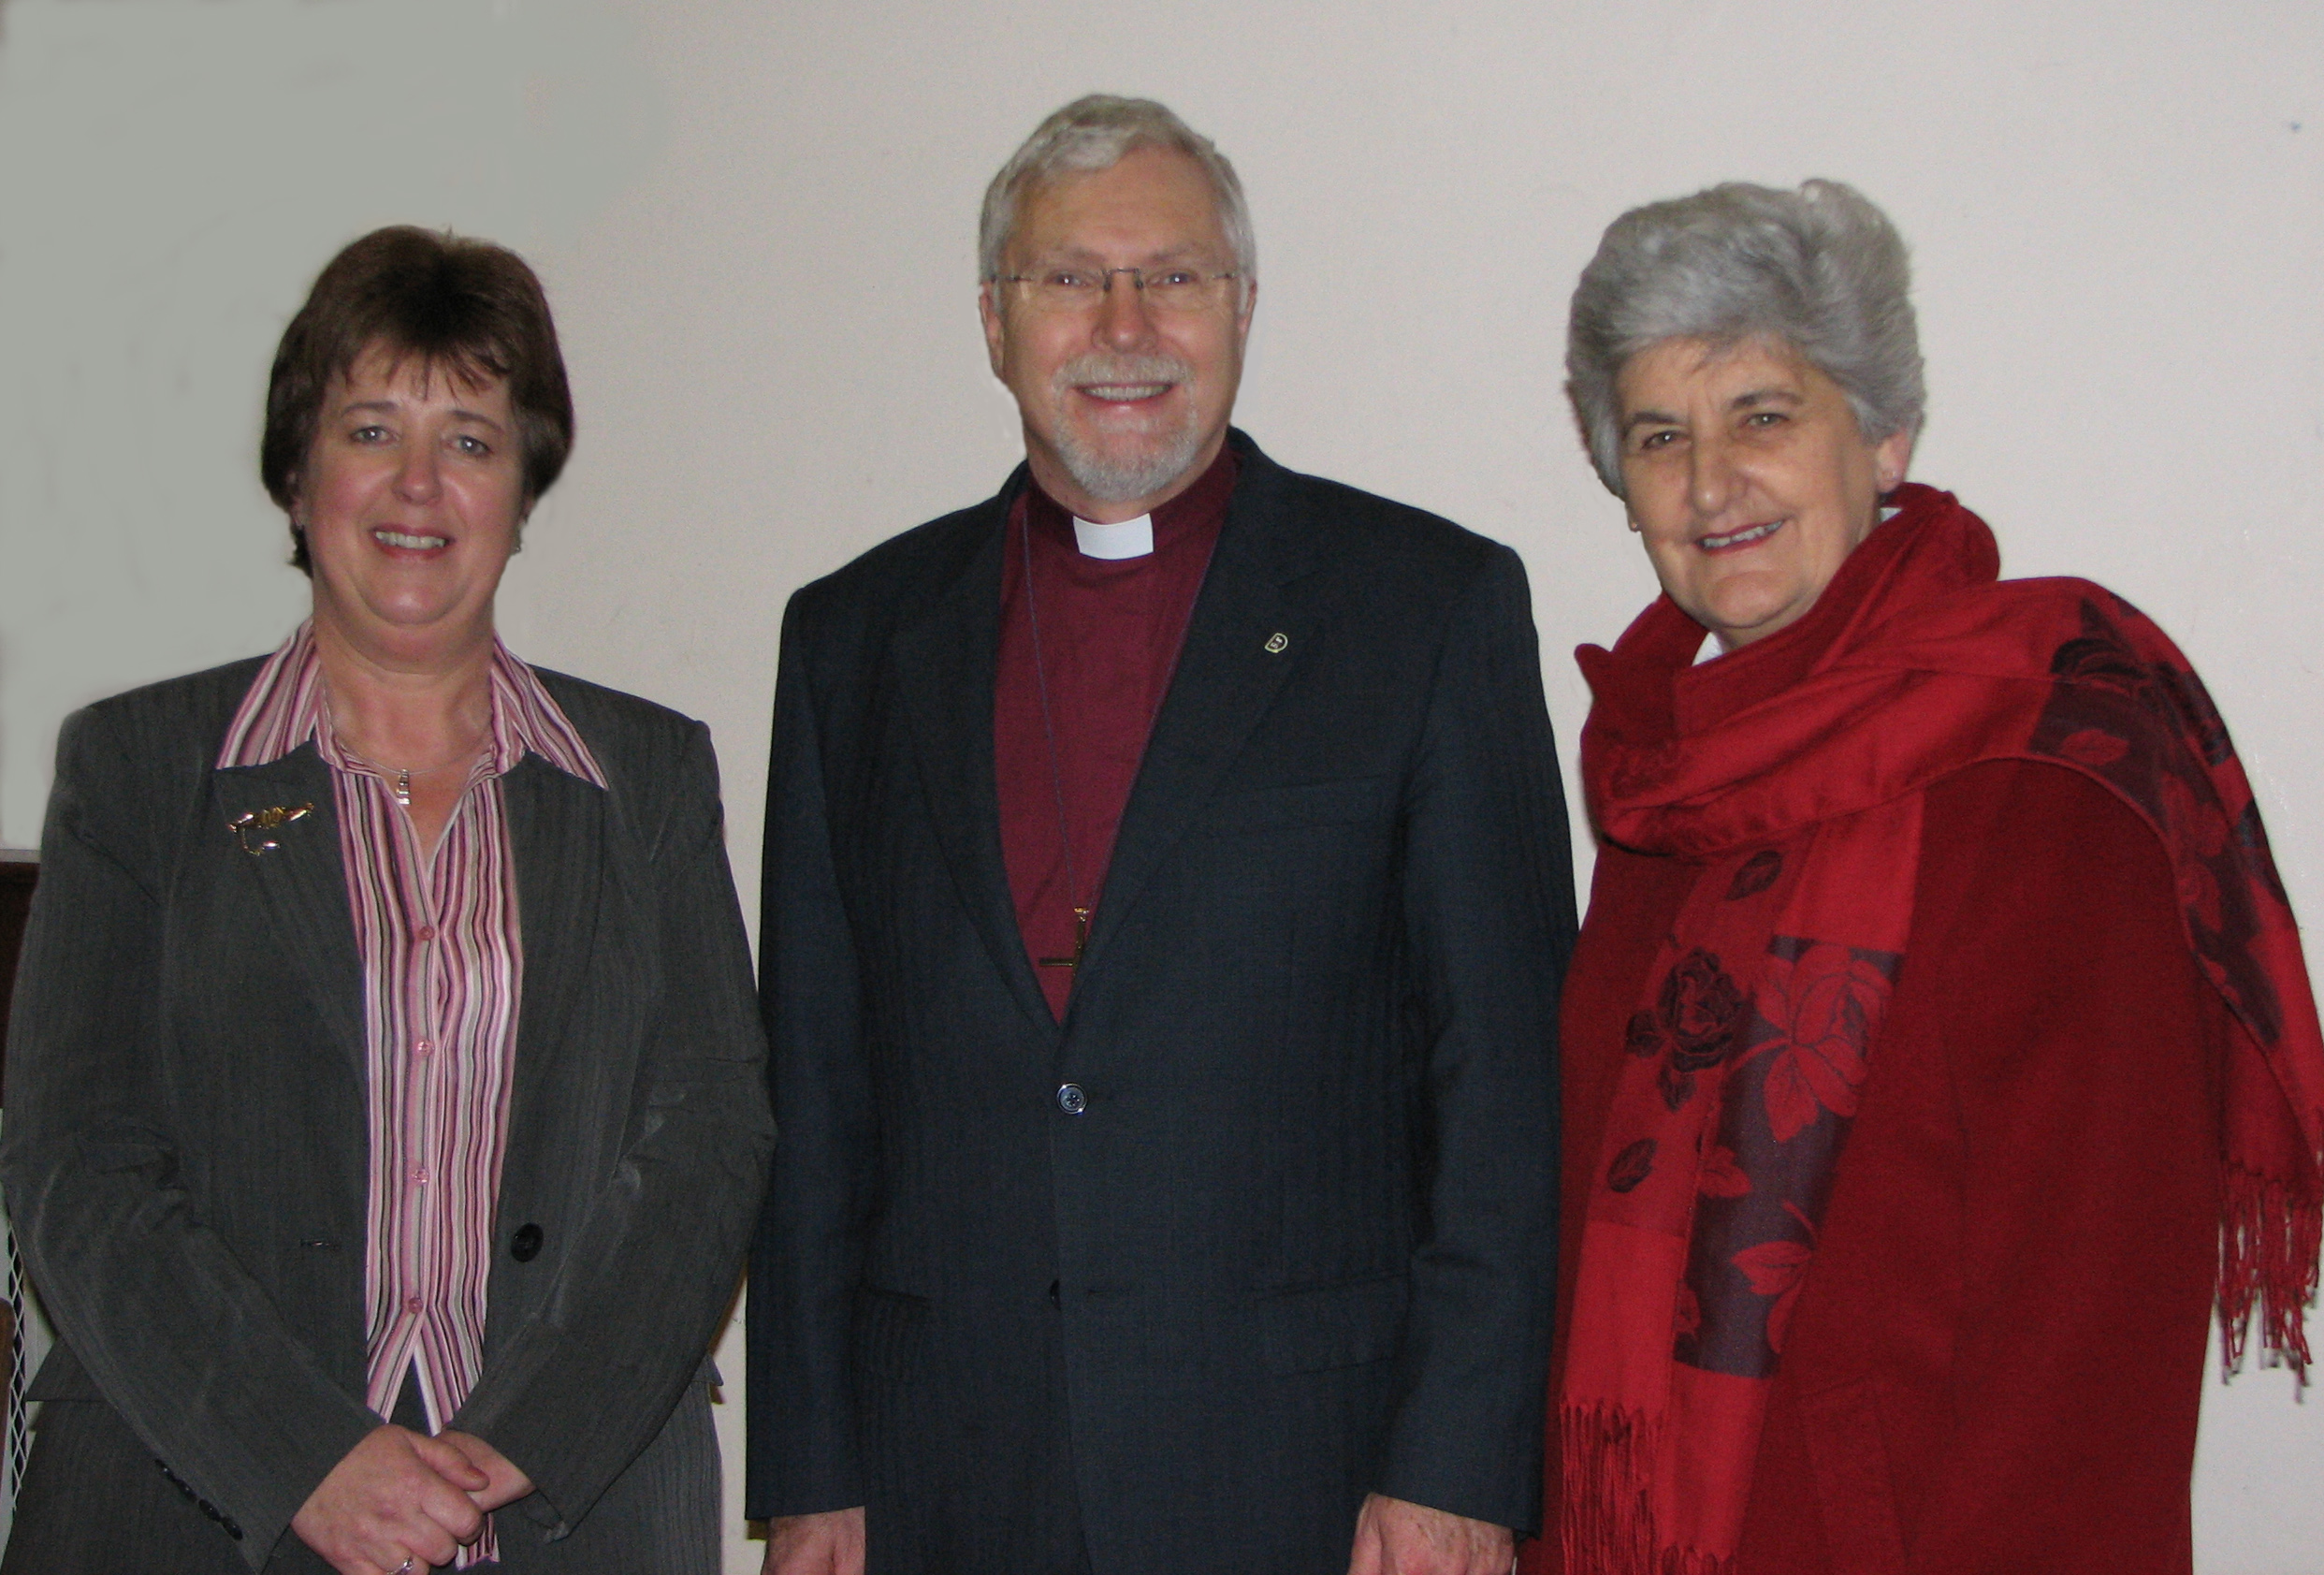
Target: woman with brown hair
x: 386, y: 1109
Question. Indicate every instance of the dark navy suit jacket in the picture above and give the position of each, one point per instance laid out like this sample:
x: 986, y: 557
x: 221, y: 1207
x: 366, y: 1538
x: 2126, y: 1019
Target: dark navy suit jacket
x: 1289, y: 1235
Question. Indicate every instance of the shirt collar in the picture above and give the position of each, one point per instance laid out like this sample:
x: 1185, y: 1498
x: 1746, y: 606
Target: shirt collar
x: 1200, y: 508
x: 286, y: 706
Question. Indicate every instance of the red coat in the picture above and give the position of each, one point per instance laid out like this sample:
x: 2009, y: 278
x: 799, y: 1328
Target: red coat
x: 1999, y: 1356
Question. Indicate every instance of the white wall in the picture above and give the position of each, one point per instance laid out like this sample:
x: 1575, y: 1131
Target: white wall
x: 756, y: 224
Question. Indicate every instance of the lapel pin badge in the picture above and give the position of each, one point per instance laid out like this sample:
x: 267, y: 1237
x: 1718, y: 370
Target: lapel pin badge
x: 262, y: 822
x: 1277, y: 644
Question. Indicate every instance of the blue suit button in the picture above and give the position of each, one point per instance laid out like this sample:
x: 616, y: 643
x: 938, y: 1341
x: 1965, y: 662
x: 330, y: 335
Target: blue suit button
x: 1072, y: 1100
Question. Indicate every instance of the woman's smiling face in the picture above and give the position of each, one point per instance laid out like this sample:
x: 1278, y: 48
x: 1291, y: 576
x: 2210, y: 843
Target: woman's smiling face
x: 411, y: 499
x: 1747, y: 478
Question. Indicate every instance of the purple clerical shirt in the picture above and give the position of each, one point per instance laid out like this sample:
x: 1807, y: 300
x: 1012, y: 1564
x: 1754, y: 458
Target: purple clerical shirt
x: 1109, y: 637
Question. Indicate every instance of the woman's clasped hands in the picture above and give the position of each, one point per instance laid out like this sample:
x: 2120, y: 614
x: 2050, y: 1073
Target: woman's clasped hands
x: 401, y: 1501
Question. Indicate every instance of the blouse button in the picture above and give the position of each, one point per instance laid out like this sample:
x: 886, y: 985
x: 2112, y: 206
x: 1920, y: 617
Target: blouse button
x: 426, y: 932
x: 424, y: 1046
x: 411, y: 1304
x: 420, y: 1176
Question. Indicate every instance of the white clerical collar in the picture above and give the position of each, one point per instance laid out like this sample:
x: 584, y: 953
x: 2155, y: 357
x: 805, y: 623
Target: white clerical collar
x: 1131, y: 538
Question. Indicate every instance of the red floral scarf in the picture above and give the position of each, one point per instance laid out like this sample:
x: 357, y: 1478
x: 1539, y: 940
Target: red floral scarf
x: 1761, y: 1017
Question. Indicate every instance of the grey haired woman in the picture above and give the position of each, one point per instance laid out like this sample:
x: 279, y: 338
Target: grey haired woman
x: 1937, y: 1005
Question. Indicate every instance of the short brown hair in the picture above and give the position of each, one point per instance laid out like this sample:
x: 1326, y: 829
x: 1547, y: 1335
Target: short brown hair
x: 467, y: 306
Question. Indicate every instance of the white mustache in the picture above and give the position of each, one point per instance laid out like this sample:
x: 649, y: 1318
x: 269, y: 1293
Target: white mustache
x: 1097, y: 367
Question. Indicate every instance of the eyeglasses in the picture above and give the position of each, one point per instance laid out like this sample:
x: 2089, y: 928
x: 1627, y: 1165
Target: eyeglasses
x: 1067, y: 288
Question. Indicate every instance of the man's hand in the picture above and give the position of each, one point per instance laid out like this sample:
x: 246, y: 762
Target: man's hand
x: 1394, y: 1538
x: 397, y: 1494
x: 504, y: 1483
x: 831, y: 1543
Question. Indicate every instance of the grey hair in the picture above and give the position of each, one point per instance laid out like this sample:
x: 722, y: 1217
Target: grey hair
x: 1821, y: 270
x: 1097, y: 131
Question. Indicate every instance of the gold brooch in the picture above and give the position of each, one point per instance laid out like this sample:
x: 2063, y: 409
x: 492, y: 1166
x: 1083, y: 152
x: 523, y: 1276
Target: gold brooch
x: 264, y: 821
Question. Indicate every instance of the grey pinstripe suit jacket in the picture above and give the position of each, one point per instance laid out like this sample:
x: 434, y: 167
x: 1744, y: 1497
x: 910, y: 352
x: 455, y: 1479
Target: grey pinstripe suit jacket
x: 185, y: 1149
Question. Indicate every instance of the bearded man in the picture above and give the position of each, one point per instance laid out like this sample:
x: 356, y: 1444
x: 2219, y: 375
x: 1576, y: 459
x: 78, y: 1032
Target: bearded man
x: 1167, y: 894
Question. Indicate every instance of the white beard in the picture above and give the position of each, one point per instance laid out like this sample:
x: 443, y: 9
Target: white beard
x: 1119, y: 478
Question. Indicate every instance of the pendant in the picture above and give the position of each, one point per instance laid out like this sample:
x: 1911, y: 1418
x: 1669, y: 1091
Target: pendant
x: 1080, y: 942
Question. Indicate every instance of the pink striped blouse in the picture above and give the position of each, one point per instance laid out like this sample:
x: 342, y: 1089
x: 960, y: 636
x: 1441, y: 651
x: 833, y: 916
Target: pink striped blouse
x: 442, y: 972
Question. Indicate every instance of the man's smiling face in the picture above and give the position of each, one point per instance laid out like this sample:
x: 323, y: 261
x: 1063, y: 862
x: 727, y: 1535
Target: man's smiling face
x: 1123, y: 405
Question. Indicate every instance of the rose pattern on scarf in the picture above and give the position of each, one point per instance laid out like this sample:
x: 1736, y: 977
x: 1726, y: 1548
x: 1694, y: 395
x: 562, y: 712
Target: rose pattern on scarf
x: 1677, y: 1086
x: 1722, y: 1176
x: 2101, y: 658
x: 1703, y: 1011
x: 2093, y: 747
x: 2206, y: 728
x: 2113, y: 700
x: 1687, y: 1316
x: 1632, y: 1165
x: 1825, y: 1001
x: 1699, y: 1019
x: 1777, y: 1270
x: 2251, y: 835
x: 1766, y: 1176
x: 2093, y: 719
x: 2206, y: 831
x: 2125, y: 706
x: 1758, y: 873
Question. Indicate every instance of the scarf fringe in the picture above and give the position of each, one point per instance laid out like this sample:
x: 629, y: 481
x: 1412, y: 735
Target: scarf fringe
x: 2271, y: 1233
x: 1606, y: 1521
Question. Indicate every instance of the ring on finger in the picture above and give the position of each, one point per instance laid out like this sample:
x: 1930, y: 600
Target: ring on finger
x: 405, y: 1568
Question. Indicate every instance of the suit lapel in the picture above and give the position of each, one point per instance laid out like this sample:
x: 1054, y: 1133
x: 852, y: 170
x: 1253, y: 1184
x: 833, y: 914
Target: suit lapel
x: 1229, y: 673
x: 302, y: 881
x: 946, y: 660
x: 556, y: 835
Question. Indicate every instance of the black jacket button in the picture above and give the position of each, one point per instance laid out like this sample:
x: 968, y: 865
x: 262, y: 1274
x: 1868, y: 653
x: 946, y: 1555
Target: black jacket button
x: 525, y: 1246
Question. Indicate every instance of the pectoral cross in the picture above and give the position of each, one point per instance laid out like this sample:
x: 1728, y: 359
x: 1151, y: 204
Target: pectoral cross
x: 1081, y: 940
